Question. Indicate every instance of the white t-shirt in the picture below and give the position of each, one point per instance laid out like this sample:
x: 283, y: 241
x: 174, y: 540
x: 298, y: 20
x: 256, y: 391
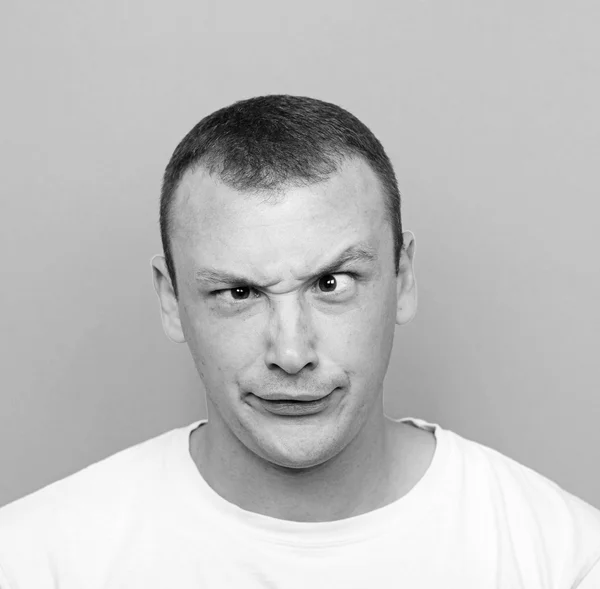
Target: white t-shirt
x: 145, y: 518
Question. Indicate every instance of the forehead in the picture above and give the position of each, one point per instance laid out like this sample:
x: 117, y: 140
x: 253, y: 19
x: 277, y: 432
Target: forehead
x: 215, y: 223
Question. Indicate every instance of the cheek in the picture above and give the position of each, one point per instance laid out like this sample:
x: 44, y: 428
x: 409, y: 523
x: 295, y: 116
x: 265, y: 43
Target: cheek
x: 360, y: 339
x: 364, y: 342
x: 220, y: 349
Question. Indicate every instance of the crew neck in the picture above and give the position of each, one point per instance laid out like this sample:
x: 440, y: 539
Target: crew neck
x: 411, y: 507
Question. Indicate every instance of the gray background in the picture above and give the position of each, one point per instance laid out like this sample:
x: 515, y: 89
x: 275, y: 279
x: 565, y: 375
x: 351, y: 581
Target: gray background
x: 489, y: 111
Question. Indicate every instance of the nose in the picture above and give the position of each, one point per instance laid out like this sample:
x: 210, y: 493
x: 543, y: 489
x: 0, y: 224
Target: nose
x: 290, y: 338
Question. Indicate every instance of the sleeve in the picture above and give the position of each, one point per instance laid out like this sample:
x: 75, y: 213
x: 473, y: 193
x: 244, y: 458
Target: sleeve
x: 25, y: 563
x: 591, y: 579
x: 3, y: 580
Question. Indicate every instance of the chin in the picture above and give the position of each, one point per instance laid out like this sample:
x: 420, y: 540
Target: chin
x: 302, y: 452
x: 297, y: 463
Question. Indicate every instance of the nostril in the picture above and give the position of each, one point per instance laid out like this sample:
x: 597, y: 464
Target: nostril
x: 292, y: 362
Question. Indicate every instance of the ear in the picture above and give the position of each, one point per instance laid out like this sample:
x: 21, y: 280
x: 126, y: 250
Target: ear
x: 406, y: 284
x: 169, y: 307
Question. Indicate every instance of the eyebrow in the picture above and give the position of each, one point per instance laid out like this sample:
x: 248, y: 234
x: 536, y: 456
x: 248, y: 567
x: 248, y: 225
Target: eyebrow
x: 356, y: 253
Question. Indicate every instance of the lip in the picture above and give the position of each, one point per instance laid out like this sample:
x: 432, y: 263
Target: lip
x: 294, y: 407
x: 304, y: 398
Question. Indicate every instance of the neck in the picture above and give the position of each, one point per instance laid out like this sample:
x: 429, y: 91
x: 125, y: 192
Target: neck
x: 359, y: 479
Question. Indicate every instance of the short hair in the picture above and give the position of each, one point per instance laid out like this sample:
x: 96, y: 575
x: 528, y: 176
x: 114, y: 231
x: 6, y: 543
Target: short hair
x: 265, y: 143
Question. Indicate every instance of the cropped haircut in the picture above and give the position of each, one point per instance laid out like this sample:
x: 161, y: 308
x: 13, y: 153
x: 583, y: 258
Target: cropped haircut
x: 267, y: 143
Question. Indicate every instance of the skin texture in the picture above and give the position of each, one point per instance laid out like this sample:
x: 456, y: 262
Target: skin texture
x: 293, y: 331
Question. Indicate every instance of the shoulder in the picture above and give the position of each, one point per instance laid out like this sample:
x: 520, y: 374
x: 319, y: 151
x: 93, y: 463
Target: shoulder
x: 542, y: 518
x: 90, y: 503
x: 97, y: 484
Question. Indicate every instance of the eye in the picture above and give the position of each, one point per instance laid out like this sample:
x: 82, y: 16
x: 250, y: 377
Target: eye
x: 337, y: 287
x: 235, y: 295
x: 327, y: 283
x: 240, y: 293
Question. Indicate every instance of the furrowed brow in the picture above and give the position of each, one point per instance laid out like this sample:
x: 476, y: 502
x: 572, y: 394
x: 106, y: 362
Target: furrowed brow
x: 355, y: 253
x: 213, y: 276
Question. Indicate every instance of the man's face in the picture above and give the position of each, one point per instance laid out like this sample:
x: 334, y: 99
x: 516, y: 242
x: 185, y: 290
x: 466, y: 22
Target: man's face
x: 269, y: 314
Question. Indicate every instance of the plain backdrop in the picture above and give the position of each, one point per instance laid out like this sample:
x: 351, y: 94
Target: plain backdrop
x: 489, y: 112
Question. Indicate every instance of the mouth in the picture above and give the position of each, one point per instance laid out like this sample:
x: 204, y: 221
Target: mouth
x: 298, y: 398
x: 295, y: 406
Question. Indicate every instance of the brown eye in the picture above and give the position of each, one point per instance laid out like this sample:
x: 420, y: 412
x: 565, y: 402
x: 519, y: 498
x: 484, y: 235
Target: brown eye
x: 240, y: 293
x: 327, y: 283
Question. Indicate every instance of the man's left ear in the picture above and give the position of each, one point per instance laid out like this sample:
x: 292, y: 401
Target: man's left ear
x: 406, y: 284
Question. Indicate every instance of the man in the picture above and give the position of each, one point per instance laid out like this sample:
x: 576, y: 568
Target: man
x: 285, y: 270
